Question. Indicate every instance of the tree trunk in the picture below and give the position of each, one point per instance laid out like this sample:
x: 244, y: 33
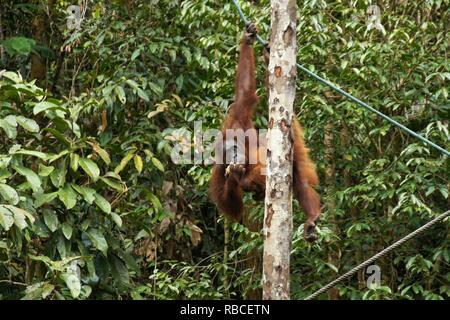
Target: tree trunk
x: 278, y: 200
x: 39, y: 31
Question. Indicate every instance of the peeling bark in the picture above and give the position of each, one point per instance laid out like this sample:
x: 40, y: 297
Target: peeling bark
x: 278, y: 203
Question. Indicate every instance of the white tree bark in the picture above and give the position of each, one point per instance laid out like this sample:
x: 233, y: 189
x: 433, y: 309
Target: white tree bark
x: 279, y: 180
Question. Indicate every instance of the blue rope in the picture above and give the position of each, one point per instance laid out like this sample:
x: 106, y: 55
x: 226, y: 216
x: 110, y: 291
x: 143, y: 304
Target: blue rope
x: 348, y: 95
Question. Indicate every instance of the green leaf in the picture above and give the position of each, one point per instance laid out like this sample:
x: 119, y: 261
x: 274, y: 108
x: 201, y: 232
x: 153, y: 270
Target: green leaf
x: 135, y: 54
x: 158, y: 164
x: 101, y: 266
x: 67, y: 230
x: 19, y: 217
x: 58, y: 136
x: 15, y: 77
x: 119, y: 187
x: 37, y: 154
x: 19, y: 221
x: 21, y: 45
x: 74, y: 285
x: 102, y: 203
x: 143, y: 95
x: 87, y: 193
x: 119, y: 270
x: 57, y: 156
x: 44, y: 259
x: 85, y: 224
x: 103, y: 154
x: 117, y: 219
x: 47, y: 289
x: 51, y: 220
x: 332, y: 267
x: 6, y: 218
x: 27, y: 124
x: 45, y: 171
x: 132, y: 84
x: 138, y: 163
x: 33, y: 292
x: 32, y: 178
x: 156, y: 203
x: 98, y: 240
x: 9, y: 194
x: 41, y: 229
x: 121, y: 94
x: 123, y: 163
x: 155, y: 88
x: 9, y: 124
x: 60, y: 265
x: 4, y: 174
x: 74, y: 161
x: 90, y: 167
x: 130, y: 261
x: 24, y: 212
x: 44, y: 198
x: 58, y: 176
x: 89, y: 262
x: 47, y: 105
x: 61, y: 246
x: 153, y: 47
x: 68, y: 196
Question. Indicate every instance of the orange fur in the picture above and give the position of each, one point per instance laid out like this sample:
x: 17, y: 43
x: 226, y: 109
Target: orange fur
x: 227, y: 191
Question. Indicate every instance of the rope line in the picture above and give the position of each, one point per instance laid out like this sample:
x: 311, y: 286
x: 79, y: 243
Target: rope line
x: 379, y: 255
x: 349, y: 96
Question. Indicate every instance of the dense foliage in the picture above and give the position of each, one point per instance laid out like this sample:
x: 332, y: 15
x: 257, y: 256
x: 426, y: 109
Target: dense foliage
x: 93, y: 207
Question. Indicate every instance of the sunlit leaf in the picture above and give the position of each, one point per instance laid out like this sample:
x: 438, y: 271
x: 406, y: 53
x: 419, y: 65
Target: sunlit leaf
x: 31, y: 176
x: 74, y: 285
x: 67, y: 230
x: 87, y: 193
x: 37, y: 154
x: 68, y: 196
x: 98, y: 240
x: 90, y: 167
x: 45, y: 171
x: 74, y: 161
x: 6, y: 218
x: 103, y: 154
x: 28, y: 124
x: 9, y: 194
x: 9, y: 124
x: 117, y: 219
x: 102, y: 203
x: 51, y: 220
x: 158, y: 164
x: 46, y: 105
x: 123, y: 163
x: 138, y: 163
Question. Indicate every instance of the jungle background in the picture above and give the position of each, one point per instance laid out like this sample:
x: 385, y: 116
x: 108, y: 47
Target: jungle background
x: 93, y: 207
